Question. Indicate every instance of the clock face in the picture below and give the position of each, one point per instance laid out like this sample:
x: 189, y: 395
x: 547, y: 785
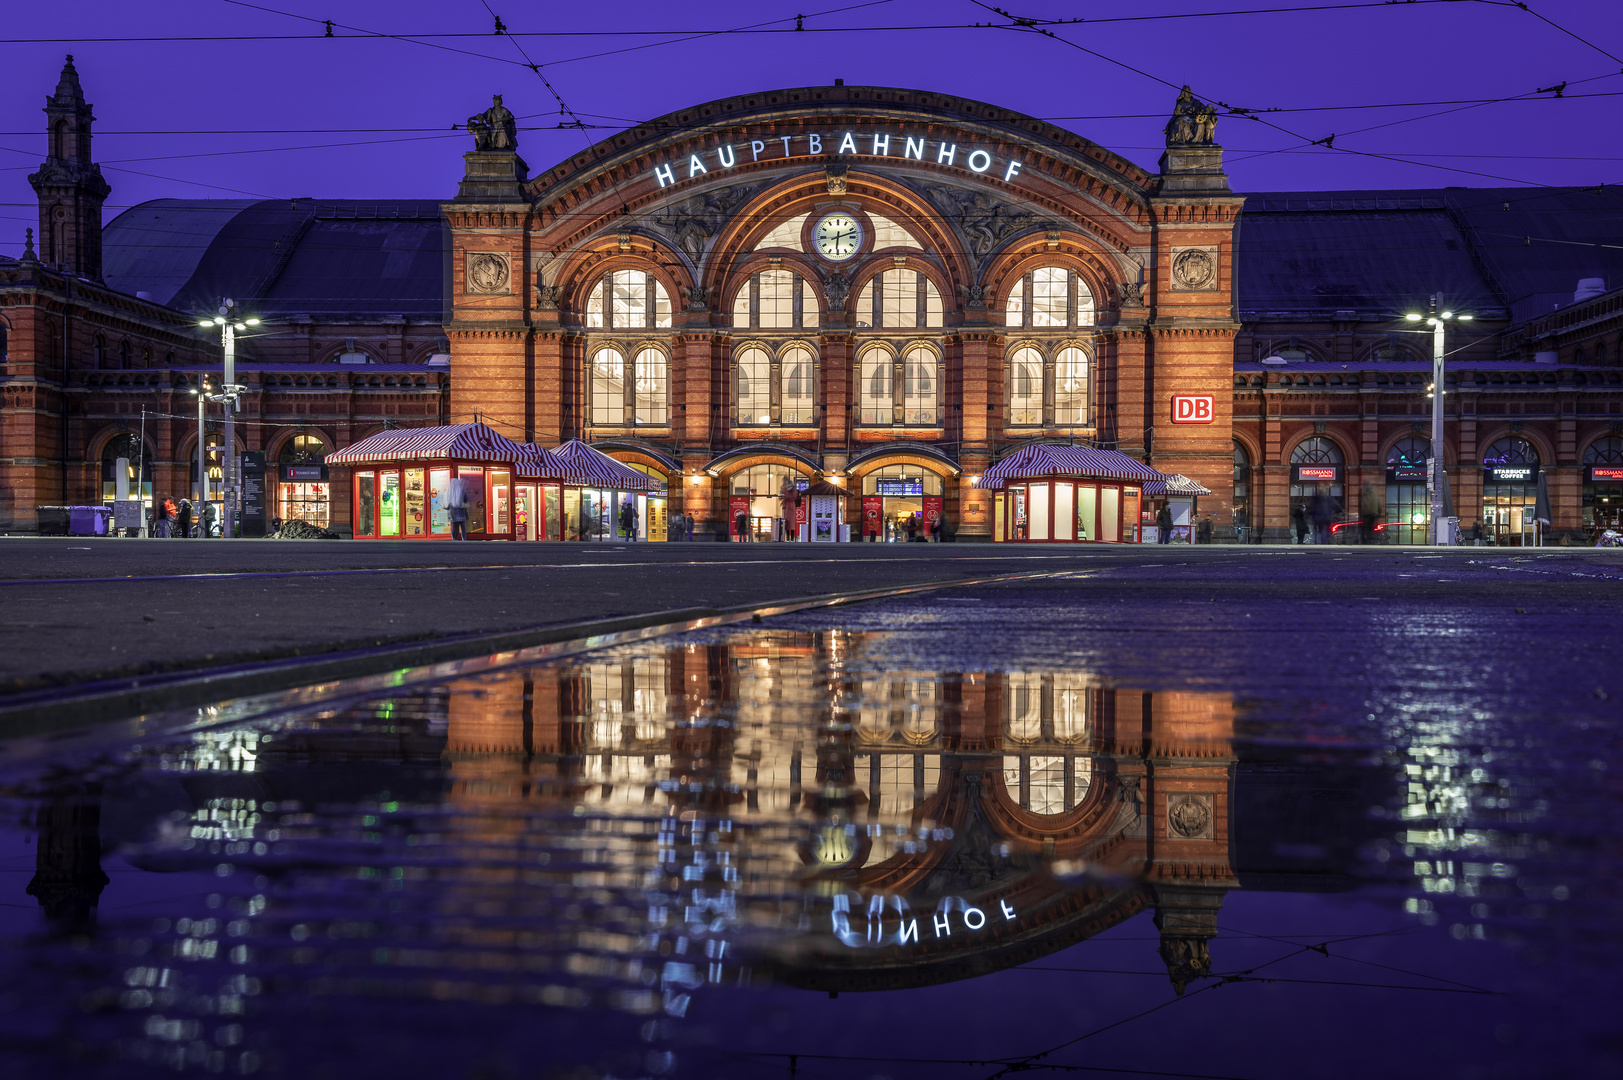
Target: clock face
x: 837, y: 237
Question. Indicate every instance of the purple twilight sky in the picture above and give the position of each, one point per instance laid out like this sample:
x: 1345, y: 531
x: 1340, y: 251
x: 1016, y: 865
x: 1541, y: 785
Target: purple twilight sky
x: 225, y: 99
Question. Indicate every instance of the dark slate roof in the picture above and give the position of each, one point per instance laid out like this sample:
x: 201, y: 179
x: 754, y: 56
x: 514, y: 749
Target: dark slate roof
x: 283, y: 257
x: 1517, y: 252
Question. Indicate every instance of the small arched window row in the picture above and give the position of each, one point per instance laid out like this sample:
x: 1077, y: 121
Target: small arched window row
x: 776, y: 300
x: 1607, y: 450
x: 1050, y: 389
x: 628, y: 300
x: 898, y: 299
x: 1049, y: 298
x: 629, y: 394
x: 900, y: 387
x: 774, y: 387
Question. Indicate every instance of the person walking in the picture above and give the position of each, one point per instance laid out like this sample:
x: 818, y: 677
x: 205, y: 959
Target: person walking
x: 456, y: 508
x: 160, y: 519
x: 1299, y: 522
x: 674, y: 526
x: 1163, y: 525
x: 1323, y: 512
x: 628, y: 520
x: 1370, y: 512
x: 741, y: 525
x: 912, y: 528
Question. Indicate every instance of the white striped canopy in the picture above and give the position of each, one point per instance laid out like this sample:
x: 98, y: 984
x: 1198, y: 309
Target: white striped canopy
x: 1176, y: 484
x: 537, y: 462
x: 1041, y: 459
x: 454, y: 442
x: 603, y: 471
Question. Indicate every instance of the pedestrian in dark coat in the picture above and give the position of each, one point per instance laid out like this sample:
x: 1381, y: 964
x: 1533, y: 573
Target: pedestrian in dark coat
x: 1163, y: 525
x: 185, y: 518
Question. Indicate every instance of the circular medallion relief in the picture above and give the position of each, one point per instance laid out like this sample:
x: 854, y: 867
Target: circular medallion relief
x: 487, y: 272
x: 837, y: 237
x: 1189, y: 816
x: 1194, y: 269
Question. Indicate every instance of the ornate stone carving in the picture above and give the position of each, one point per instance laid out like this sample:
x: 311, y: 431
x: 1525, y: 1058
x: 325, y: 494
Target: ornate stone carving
x: 1193, y: 122
x: 548, y: 297
x: 694, y: 221
x: 1189, y: 817
x: 836, y: 287
x: 974, y: 297
x: 495, y: 128
x: 1187, y: 959
x: 1194, y: 269
x: 625, y: 239
x: 983, y: 221
x: 698, y: 297
x: 1132, y: 294
x: 488, y: 272
x: 836, y: 179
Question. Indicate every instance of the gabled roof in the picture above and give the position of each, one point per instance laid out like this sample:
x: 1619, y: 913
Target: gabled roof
x: 453, y: 442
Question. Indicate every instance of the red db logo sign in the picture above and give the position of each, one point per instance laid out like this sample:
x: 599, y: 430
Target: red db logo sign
x: 1192, y: 408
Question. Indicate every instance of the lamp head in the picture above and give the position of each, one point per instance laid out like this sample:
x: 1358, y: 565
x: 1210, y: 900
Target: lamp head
x: 252, y: 322
x: 1413, y: 316
x: 219, y: 320
x: 205, y: 323
x: 1466, y: 318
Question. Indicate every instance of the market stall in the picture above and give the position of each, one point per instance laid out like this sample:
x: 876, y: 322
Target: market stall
x: 1066, y: 494
x: 1179, y: 493
x: 401, y: 479
x: 592, y: 511
x: 546, y: 495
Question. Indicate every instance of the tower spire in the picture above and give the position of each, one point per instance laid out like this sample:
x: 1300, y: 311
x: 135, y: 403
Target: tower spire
x: 69, y: 184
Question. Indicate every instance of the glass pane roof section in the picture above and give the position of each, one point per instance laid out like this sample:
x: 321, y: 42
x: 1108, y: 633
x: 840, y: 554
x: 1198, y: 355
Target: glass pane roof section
x: 785, y: 235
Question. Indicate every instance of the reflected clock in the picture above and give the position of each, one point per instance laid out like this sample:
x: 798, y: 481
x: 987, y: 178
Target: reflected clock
x: 837, y: 237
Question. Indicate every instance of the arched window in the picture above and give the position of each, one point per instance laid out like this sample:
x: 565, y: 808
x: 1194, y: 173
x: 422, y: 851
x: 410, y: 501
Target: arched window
x: 302, y: 450
x: 1605, y: 451
x: 1026, y: 387
x: 4, y: 328
x: 1511, y: 450
x: 775, y: 300
x: 303, y: 495
x: 138, y: 468
x: 877, y: 389
x: 799, y: 385
x: 628, y: 300
x: 1408, y: 509
x: 754, y: 378
x: 650, y: 405
x: 1071, y: 388
x: 920, y: 383
x: 1603, y: 494
x: 898, y: 300
x: 1507, y: 507
x: 1242, y: 490
x: 1049, y: 297
x: 1316, y: 450
x: 98, y: 348
x: 608, y: 387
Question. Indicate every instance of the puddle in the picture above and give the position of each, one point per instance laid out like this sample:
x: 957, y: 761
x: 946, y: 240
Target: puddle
x: 871, y: 843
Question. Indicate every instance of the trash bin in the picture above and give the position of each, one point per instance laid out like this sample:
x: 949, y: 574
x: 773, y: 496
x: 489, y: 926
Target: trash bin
x: 89, y: 520
x: 51, y: 520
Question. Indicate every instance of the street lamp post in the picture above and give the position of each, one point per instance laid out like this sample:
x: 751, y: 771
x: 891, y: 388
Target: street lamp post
x: 231, y: 393
x: 202, y: 476
x: 1438, y: 320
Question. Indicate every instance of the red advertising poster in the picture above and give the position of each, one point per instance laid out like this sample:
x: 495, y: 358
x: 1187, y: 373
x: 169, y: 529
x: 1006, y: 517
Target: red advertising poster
x: 802, y: 511
x: 932, y: 514
x: 873, y: 515
x: 737, y: 504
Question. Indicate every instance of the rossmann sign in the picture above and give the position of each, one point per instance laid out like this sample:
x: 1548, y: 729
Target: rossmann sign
x: 1193, y: 408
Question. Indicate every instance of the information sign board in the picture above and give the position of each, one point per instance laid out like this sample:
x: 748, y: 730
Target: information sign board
x: 253, y: 494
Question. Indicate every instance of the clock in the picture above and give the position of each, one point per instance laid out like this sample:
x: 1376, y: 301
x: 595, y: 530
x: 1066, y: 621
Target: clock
x: 837, y: 237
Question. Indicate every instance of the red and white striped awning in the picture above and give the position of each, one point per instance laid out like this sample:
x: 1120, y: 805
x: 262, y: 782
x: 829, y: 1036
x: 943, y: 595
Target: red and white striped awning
x: 455, y: 442
x: 603, y: 471
x: 1176, y: 484
x: 1084, y: 462
x: 537, y: 462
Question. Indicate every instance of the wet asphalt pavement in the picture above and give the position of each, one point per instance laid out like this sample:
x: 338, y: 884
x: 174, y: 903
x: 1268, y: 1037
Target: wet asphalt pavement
x: 74, y: 610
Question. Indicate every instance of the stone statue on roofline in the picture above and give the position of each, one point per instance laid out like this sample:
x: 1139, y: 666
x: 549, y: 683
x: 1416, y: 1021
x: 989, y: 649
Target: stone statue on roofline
x: 495, y: 128
x: 1193, y: 122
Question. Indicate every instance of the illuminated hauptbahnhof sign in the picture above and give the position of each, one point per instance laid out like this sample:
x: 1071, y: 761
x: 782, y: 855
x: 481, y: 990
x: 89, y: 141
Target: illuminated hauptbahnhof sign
x: 850, y: 144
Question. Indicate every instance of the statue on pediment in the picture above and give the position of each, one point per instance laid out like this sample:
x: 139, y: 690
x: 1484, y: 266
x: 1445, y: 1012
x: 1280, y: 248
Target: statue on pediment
x: 1193, y: 122
x: 495, y: 128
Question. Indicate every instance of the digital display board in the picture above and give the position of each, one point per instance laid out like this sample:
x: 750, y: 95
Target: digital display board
x: 1406, y: 474
x: 903, y: 486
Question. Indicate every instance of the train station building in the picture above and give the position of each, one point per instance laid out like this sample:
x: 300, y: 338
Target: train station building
x: 890, y: 290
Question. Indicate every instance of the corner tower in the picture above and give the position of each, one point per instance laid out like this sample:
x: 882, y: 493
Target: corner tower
x: 69, y: 184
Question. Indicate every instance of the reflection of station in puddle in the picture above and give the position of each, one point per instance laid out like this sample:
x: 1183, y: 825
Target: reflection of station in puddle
x: 923, y: 816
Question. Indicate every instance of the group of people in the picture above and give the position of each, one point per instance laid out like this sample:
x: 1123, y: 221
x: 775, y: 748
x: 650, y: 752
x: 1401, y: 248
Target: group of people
x: 172, y: 520
x: 1316, y: 517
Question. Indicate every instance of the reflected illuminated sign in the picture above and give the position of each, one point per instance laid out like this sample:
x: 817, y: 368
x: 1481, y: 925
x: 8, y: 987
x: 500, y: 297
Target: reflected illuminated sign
x: 845, y: 144
x: 1315, y: 474
x: 889, y: 921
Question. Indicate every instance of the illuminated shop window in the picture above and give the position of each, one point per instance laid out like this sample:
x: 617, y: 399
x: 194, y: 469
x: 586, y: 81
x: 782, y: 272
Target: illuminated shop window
x: 1408, y: 510
x: 310, y: 500
x: 1051, y: 298
x: 775, y: 300
x: 899, y: 300
x: 1507, y: 506
x: 129, y: 448
x: 628, y: 300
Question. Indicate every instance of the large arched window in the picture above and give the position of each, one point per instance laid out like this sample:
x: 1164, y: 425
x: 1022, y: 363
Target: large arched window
x: 1026, y: 387
x: 921, y: 386
x: 898, y: 299
x: 754, y: 379
x: 1049, y: 297
x: 1071, y: 388
x: 799, y: 384
x: 628, y: 300
x: 608, y: 387
x: 649, y: 394
x: 775, y: 300
x: 877, y: 390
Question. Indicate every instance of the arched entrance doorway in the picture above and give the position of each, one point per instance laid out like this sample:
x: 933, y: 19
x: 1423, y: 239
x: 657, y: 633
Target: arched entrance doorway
x: 1408, y: 511
x: 302, y: 490
x: 762, y: 497
x: 901, y: 486
x: 1509, y: 488
x: 1603, y: 484
x: 1318, y: 471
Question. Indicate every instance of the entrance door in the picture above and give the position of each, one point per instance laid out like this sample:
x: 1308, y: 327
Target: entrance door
x: 524, y: 512
x: 898, y: 511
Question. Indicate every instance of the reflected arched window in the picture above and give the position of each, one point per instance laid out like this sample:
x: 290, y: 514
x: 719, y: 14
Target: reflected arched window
x: 608, y: 387
x: 1026, y: 386
x: 1047, y: 784
x: 877, y: 387
x: 1023, y: 715
x: 628, y: 300
x: 754, y: 379
x: 898, y: 299
x: 1049, y: 297
x: 775, y: 300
